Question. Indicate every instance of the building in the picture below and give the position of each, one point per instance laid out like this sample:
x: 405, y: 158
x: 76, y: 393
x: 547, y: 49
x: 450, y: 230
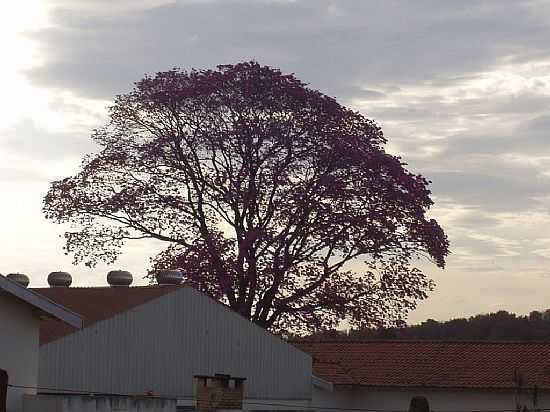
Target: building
x: 72, y: 402
x: 155, y: 339
x: 21, y: 311
x: 452, y: 376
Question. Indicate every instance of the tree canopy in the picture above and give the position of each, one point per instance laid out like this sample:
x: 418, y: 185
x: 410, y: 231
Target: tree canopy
x: 271, y: 197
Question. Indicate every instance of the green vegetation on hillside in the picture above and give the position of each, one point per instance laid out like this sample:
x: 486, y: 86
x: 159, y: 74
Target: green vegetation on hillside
x: 501, y: 325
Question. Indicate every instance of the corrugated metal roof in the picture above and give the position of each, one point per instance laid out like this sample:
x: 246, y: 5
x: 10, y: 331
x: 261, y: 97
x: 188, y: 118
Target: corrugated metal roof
x: 95, y: 304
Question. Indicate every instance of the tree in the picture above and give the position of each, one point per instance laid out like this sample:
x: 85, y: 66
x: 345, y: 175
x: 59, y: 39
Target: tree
x: 272, y: 198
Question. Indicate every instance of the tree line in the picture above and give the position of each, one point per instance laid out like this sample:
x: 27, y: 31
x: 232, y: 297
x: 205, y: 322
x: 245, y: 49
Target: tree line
x: 501, y: 325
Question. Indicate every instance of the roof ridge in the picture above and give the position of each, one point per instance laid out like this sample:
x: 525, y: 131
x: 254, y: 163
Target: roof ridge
x: 423, y: 341
x: 110, y: 287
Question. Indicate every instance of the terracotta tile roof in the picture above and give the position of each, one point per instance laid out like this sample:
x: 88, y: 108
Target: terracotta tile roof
x: 475, y: 365
x: 332, y: 372
x: 95, y: 304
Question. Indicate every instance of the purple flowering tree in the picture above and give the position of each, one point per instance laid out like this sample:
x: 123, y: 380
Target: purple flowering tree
x: 271, y: 197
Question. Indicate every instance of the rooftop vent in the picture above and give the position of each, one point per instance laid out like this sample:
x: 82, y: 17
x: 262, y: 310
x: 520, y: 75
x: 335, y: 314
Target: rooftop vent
x: 60, y: 279
x: 20, y: 278
x: 119, y: 278
x: 169, y: 277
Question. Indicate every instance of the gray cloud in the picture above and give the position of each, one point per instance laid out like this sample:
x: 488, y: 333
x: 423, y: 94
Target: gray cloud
x: 476, y: 219
x: 530, y: 136
x: 540, y: 124
x: 28, y: 142
x: 339, y: 47
x: 358, y: 49
x: 515, y: 190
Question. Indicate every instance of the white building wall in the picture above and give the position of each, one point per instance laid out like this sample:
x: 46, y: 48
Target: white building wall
x: 160, y: 345
x: 338, y: 398
x: 72, y: 403
x: 439, y: 400
x: 18, y: 348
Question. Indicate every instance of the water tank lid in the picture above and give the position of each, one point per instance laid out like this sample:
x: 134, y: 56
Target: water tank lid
x: 19, y: 278
x: 60, y: 279
x: 119, y: 278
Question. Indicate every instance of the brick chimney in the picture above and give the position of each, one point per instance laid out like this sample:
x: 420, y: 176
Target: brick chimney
x: 219, y: 392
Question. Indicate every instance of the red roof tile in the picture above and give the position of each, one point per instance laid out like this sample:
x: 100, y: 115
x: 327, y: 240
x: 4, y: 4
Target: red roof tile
x: 475, y: 365
x: 95, y: 304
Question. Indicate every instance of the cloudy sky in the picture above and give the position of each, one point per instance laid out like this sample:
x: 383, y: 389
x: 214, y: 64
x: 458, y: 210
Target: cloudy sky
x: 460, y: 88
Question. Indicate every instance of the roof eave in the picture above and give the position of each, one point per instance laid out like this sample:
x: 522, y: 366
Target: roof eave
x: 40, y: 302
x: 322, y: 383
x: 435, y: 388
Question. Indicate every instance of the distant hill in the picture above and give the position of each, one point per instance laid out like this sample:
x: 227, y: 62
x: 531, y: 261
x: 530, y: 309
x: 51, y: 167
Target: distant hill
x: 501, y: 325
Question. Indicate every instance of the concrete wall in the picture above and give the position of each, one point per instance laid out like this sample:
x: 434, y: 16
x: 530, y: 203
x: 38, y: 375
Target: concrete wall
x: 160, y: 345
x: 439, y: 400
x: 18, y: 347
x: 73, y: 403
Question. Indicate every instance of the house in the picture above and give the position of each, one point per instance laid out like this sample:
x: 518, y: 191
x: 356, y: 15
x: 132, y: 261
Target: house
x: 21, y: 311
x: 465, y: 376
x: 156, y: 339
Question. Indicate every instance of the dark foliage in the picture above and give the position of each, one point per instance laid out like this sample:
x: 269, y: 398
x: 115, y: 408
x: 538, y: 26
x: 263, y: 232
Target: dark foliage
x: 501, y: 325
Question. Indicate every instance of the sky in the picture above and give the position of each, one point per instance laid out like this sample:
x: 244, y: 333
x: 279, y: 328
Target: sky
x: 460, y: 88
